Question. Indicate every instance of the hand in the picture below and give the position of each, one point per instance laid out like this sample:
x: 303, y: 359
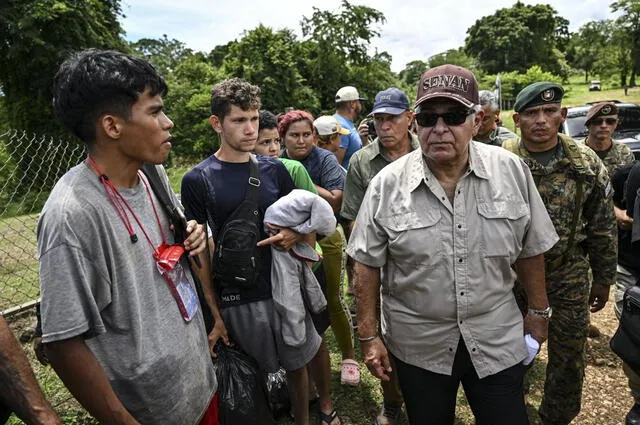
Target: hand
x: 38, y: 348
x: 219, y: 331
x: 196, y: 242
x: 363, y: 130
x: 622, y: 219
x: 598, y: 297
x: 376, y: 358
x: 284, y: 238
x: 537, y: 326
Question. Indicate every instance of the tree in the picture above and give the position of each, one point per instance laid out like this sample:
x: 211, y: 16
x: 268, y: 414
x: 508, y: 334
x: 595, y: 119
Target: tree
x: 412, y: 72
x: 615, y: 59
x: 269, y: 60
x: 35, y: 37
x: 188, y: 105
x: 336, y: 49
x: 454, y: 57
x: 516, y: 38
x: 163, y: 53
x: 588, y: 45
x: 630, y: 21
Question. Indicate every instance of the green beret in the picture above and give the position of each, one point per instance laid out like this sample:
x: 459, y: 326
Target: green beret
x: 540, y: 93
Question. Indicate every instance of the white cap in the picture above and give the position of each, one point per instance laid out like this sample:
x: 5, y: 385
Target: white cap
x: 348, y: 93
x: 327, y: 125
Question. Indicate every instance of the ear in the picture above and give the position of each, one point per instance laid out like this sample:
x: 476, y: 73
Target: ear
x: 111, y: 125
x: 516, y: 119
x: 410, y: 115
x: 563, y: 112
x: 478, y: 120
x: 216, y: 123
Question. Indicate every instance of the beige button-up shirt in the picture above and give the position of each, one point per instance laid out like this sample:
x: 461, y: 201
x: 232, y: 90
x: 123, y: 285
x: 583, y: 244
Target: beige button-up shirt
x: 446, y: 269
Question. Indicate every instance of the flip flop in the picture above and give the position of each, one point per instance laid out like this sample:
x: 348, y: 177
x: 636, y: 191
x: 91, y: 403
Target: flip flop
x: 328, y: 418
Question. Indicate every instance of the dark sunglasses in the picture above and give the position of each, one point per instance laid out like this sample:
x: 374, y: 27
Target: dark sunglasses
x: 609, y: 121
x: 429, y: 119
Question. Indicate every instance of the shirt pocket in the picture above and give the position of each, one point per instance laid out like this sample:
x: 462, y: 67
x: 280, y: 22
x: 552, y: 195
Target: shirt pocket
x: 414, y: 242
x: 502, y: 227
x: 415, y: 251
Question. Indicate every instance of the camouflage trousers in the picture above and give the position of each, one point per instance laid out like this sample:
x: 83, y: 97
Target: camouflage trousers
x: 568, y: 328
x: 625, y: 279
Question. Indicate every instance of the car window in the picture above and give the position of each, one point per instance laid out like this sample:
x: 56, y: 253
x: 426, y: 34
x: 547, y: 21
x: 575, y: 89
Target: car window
x: 629, y: 122
x: 575, y: 125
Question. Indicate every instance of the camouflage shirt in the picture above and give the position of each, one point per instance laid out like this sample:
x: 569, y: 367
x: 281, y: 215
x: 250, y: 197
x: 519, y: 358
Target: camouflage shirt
x: 595, y: 238
x: 618, y: 155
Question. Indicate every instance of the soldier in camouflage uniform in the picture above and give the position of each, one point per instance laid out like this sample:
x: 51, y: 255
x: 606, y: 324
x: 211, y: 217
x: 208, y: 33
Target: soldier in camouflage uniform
x: 575, y: 188
x: 601, y: 121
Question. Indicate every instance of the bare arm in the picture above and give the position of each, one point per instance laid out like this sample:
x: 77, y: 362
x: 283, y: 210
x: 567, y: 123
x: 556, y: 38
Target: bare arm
x: 18, y: 386
x: 333, y: 197
x: 84, y: 377
x: 340, y: 153
x: 204, y: 275
x: 531, y: 274
x: 367, y: 284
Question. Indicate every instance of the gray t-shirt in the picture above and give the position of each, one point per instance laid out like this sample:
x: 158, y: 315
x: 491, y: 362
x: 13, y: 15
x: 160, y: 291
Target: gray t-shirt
x: 96, y: 283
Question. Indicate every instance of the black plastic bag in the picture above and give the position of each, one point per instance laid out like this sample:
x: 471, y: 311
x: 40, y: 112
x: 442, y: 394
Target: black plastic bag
x: 626, y: 341
x: 278, y: 393
x: 241, y: 388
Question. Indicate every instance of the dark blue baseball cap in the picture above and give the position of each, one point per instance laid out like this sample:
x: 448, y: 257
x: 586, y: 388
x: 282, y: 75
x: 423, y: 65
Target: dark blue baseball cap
x: 390, y: 101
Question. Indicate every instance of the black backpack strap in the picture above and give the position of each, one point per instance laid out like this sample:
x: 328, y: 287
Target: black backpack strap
x: 176, y: 216
x: 249, y: 207
x: 254, y: 182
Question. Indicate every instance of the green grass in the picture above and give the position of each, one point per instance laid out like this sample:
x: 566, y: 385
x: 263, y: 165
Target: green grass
x: 18, y: 261
x: 175, y: 176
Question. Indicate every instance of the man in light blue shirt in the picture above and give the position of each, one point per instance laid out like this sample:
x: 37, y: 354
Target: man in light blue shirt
x: 348, y: 107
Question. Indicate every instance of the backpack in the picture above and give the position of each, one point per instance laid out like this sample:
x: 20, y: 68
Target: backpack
x: 236, y: 257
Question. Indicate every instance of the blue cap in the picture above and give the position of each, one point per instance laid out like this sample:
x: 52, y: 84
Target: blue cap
x: 390, y: 101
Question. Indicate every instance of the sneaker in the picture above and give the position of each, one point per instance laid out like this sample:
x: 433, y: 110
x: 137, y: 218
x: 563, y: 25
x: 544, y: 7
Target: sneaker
x: 633, y: 417
x: 389, y: 415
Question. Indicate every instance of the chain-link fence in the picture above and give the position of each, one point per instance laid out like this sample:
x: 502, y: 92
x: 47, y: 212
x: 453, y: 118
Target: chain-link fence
x: 29, y: 167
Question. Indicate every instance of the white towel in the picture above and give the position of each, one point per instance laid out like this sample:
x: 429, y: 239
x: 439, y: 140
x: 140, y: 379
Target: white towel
x: 533, y: 347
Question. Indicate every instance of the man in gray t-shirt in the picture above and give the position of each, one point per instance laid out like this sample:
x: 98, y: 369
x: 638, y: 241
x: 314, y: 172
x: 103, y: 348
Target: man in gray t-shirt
x: 128, y: 342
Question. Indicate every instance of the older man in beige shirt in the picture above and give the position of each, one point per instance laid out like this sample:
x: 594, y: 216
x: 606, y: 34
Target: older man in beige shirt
x: 437, y: 235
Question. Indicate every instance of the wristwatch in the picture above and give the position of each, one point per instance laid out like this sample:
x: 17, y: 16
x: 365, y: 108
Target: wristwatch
x: 546, y: 313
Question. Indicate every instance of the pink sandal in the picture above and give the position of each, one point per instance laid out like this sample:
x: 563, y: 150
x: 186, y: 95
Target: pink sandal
x: 350, y: 372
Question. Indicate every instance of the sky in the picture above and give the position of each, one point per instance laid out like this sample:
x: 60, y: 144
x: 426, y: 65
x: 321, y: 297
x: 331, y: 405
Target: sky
x: 414, y: 29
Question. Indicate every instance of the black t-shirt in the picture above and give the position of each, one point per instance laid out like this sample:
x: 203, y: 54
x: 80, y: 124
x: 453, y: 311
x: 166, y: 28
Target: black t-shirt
x: 213, y: 201
x: 624, y: 195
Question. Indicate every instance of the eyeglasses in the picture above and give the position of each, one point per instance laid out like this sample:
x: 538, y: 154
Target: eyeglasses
x: 609, y: 121
x: 429, y: 119
x: 267, y: 142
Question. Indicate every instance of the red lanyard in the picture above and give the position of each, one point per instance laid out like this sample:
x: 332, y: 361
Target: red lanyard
x: 119, y: 203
